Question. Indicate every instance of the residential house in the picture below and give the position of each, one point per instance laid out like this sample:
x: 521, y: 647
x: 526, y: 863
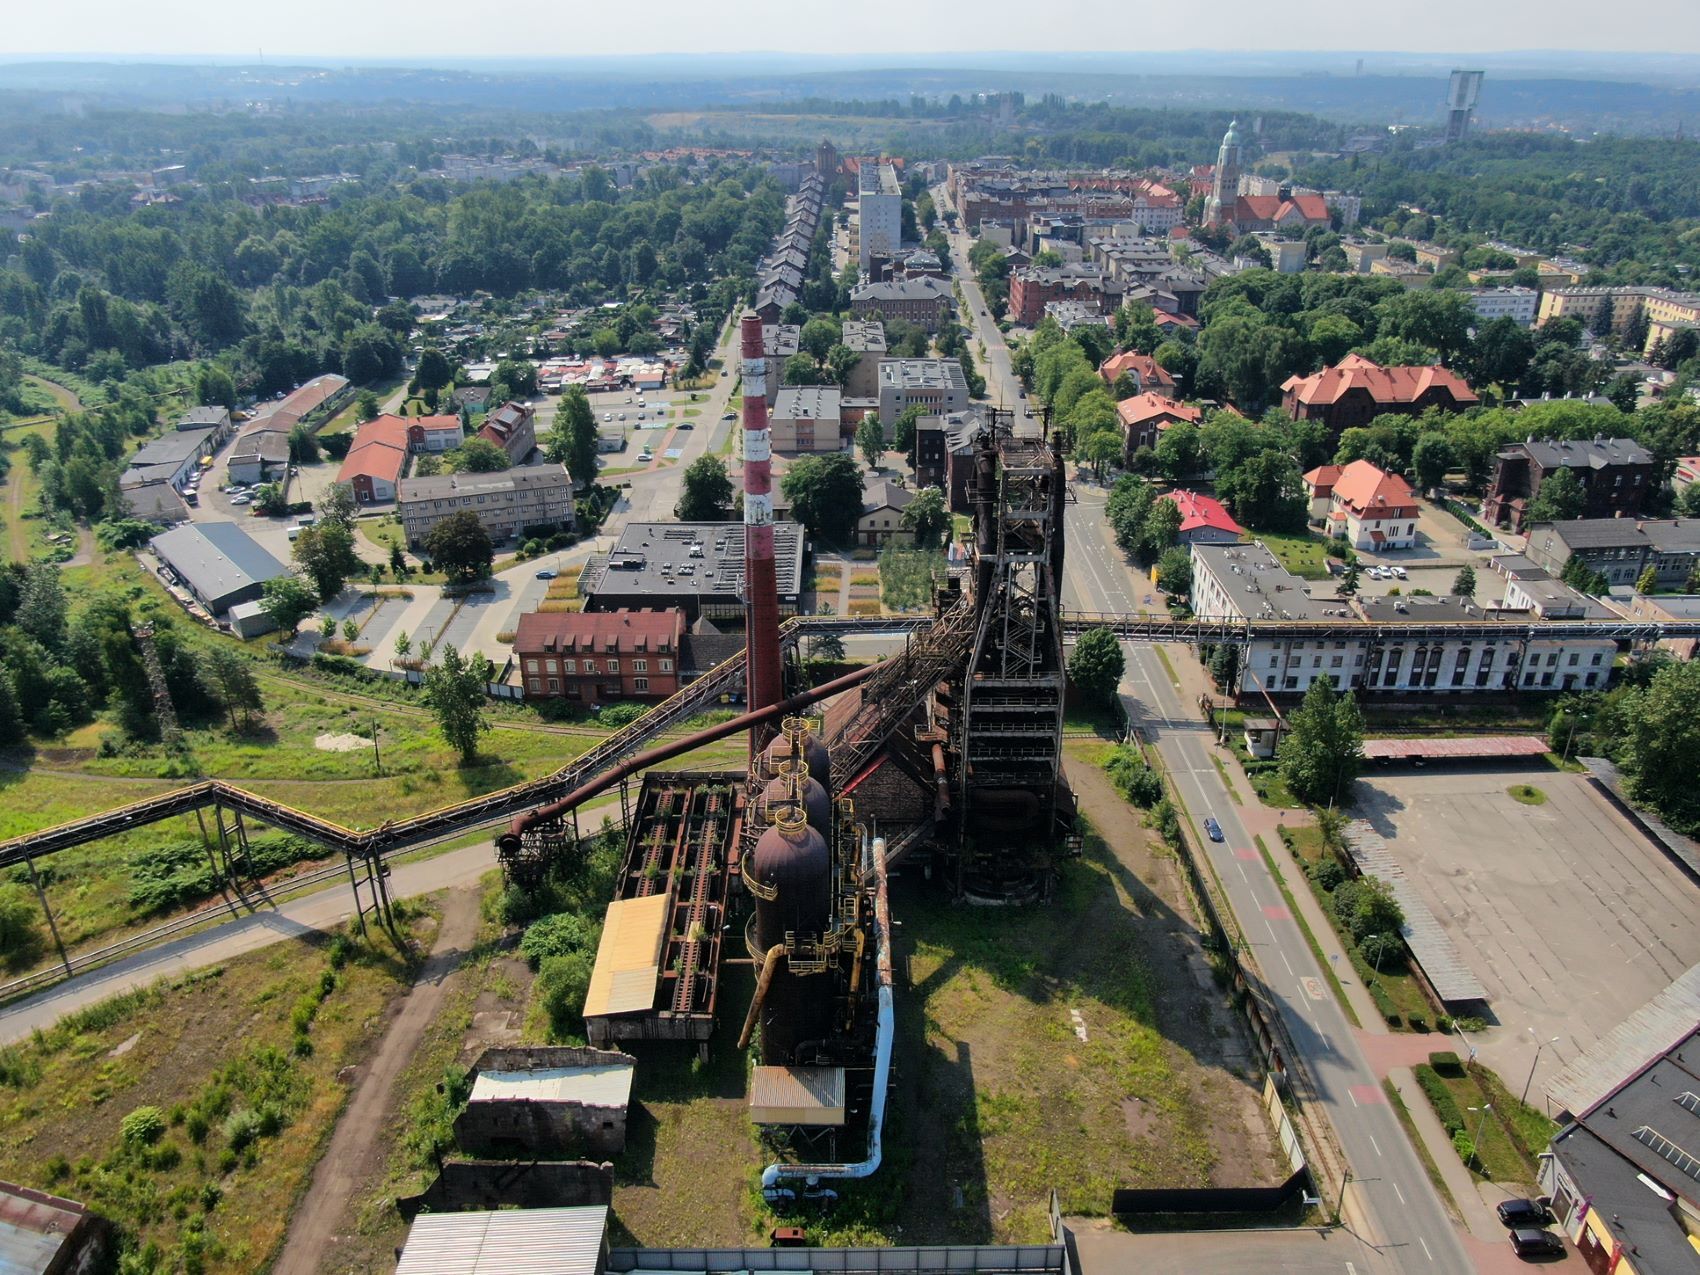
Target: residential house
x: 600, y: 657
x: 1356, y: 390
x: 1145, y: 416
x: 881, y: 521
x: 1618, y: 475
x: 513, y: 428
x: 533, y: 500
x: 1204, y: 520
x: 1621, y: 549
x: 474, y: 398
x: 434, y: 433
x: 807, y: 418
x: 1370, y: 507
x: 1143, y: 370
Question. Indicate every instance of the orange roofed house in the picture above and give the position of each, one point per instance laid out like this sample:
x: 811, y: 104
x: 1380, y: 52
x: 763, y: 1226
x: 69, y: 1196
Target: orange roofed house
x: 600, y: 657
x: 1356, y: 390
x: 1370, y: 507
x: 1204, y: 520
x: 1145, y: 371
x: 1145, y: 416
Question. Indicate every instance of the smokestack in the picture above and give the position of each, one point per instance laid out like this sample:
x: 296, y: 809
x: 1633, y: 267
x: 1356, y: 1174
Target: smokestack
x: 761, y: 587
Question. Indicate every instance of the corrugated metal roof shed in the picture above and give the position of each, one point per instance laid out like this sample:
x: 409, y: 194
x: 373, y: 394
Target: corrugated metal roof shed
x: 1429, y: 943
x: 1625, y: 1049
x: 628, y: 958
x: 34, y: 1227
x: 797, y: 1095
x: 609, y: 1085
x: 507, y: 1242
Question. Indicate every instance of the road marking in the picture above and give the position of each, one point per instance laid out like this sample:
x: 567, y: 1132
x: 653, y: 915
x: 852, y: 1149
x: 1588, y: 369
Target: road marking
x: 1352, y: 1096
x: 1271, y: 930
x: 1313, y: 988
x: 1426, y: 1253
x: 1399, y: 1193
x: 1243, y: 876
x: 1276, y: 912
x: 1375, y: 1144
x: 1287, y: 963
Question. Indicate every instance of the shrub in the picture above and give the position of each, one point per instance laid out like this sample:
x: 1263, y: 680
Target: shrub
x: 621, y: 714
x: 164, y: 1157
x: 142, y: 1127
x: 1465, y: 1148
x: 1328, y: 873
x: 21, y: 937
x: 1167, y: 821
x: 1446, y: 1063
x: 241, y: 1128
x: 559, y: 935
x: 562, y: 982
x: 195, y: 1124
x: 1382, y: 951
x: 1135, y: 780
x: 1440, y: 1098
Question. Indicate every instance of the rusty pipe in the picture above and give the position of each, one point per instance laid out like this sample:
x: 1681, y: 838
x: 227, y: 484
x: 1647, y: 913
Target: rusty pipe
x: 509, y: 840
x: 768, y: 965
x: 941, y: 799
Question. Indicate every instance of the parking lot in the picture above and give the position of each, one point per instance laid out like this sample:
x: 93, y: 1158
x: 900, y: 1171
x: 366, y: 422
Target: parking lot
x: 1570, y: 917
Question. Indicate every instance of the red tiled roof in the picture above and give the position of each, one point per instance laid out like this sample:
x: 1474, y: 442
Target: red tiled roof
x: 313, y: 394
x: 429, y: 423
x: 1202, y: 511
x: 378, y: 459
x: 1256, y: 207
x: 1145, y: 369
x: 388, y: 429
x: 1366, y: 489
x: 1321, y: 480
x: 622, y: 632
x: 1384, y: 384
x: 1310, y: 207
x: 1149, y: 406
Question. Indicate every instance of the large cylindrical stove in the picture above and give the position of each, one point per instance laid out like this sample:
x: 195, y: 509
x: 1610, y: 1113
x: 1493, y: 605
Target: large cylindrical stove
x: 761, y: 586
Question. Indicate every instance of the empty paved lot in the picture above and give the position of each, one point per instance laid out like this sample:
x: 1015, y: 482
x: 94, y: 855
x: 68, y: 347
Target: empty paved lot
x: 1570, y: 917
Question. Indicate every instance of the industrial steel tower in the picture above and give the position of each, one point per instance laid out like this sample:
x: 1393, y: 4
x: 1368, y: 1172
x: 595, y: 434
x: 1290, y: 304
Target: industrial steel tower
x: 761, y: 589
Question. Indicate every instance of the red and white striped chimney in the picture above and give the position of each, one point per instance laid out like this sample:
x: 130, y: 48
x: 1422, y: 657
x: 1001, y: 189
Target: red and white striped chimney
x: 761, y: 586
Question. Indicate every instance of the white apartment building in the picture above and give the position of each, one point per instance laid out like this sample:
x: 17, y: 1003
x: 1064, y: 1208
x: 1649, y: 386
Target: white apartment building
x: 505, y: 502
x: 879, y: 212
x: 1520, y: 304
x: 1241, y: 582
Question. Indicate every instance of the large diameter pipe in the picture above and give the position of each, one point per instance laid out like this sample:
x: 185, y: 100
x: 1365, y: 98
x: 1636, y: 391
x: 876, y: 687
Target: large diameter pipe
x: 768, y: 965
x: 761, y: 583
x: 508, y: 842
x: 885, y: 1031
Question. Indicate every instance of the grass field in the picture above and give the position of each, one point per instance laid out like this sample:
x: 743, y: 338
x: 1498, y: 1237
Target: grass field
x: 1303, y: 555
x: 242, y: 1063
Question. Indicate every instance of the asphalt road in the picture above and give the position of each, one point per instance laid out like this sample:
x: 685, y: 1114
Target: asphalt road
x: 1390, y: 1203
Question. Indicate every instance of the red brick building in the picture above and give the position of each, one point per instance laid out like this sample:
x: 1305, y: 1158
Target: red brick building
x: 1030, y: 290
x: 1356, y: 390
x: 600, y: 657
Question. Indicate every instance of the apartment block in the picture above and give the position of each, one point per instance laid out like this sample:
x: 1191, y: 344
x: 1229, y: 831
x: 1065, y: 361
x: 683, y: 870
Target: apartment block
x: 505, y: 502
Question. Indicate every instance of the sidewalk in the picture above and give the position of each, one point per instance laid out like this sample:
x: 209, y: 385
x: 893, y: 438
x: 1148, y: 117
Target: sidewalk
x: 1478, y: 1216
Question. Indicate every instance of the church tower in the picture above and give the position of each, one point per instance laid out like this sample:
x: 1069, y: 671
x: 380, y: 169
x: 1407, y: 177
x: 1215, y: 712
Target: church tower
x: 1219, y: 208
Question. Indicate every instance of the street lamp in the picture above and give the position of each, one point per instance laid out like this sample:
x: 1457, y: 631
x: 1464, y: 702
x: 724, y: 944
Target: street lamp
x: 1539, y: 1045
x: 1481, y: 1124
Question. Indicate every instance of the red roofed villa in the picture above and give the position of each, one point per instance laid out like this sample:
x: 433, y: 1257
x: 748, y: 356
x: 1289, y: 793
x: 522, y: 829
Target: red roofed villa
x: 1145, y: 416
x: 1204, y: 521
x: 1147, y: 373
x: 1356, y: 390
x: 1372, y: 508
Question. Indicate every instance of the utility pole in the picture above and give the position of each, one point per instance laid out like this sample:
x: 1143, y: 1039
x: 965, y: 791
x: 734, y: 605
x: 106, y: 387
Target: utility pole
x: 377, y: 761
x: 1539, y: 1045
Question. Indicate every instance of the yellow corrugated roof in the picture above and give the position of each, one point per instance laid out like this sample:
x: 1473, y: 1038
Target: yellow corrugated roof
x: 628, y: 959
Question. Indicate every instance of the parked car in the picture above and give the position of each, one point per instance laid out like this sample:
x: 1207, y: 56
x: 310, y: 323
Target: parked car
x: 1525, y: 1213
x: 1213, y: 828
x: 730, y: 416
x: 243, y: 499
x: 686, y: 425
x: 545, y: 575
x: 1527, y: 1242
x: 1400, y: 572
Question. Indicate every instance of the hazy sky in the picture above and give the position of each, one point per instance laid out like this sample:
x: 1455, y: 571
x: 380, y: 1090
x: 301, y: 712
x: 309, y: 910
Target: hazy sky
x: 334, y: 29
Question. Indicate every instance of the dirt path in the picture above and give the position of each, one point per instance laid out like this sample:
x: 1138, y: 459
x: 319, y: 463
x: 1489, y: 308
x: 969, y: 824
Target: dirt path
x: 358, y: 1148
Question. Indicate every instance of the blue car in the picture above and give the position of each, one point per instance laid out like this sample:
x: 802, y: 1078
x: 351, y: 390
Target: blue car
x: 1213, y: 828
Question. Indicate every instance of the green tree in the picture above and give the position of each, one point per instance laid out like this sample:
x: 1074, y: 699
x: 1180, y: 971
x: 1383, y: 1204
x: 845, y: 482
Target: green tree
x: 214, y: 386
x: 1160, y: 530
x: 1560, y: 499
x: 1096, y: 665
x: 461, y: 548
x: 1431, y: 458
x: 303, y: 447
x: 41, y: 606
x: 370, y: 353
x: 1265, y: 492
x: 232, y: 677
x: 1323, y: 750
x: 366, y: 406
x: 21, y: 938
x: 870, y: 440
x: 518, y: 375
x: 903, y: 432
x: 800, y: 369
x: 350, y: 629
x: 825, y: 494
x: 325, y: 552
x: 705, y: 493
x: 841, y: 361
x: 403, y: 645
x: 454, y: 693
x: 1464, y: 583
x: 435, y: 370
x: 1649, y: 581
x: 398, y: 563
x: 478, y: 456
x: 571, y: 441
x: 288, y: 600
x: 1178, y: 452
x: 817, y: 338
x: 1102, y: 450
x: 927, y: 517
x: 1174, y: 571
x: 1661, y: 738
x: 11, y: 719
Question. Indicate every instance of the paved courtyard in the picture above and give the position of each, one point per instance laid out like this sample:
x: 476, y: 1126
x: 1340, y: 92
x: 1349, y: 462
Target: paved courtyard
x: 1570, y: 917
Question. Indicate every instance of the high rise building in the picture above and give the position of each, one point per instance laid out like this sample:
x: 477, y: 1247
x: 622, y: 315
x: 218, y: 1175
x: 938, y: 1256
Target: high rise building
x: 1220, y: 206
x: 1461, y: 97
x: 879, y: 209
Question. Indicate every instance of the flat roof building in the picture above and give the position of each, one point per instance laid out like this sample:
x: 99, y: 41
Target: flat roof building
x: 549, y: 1102
x: 807, y: 418
x: 569, y: 1241
x: 938, y: 385
x: 695, y: 566
x: 505, y: 502
x: 218, y: 562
